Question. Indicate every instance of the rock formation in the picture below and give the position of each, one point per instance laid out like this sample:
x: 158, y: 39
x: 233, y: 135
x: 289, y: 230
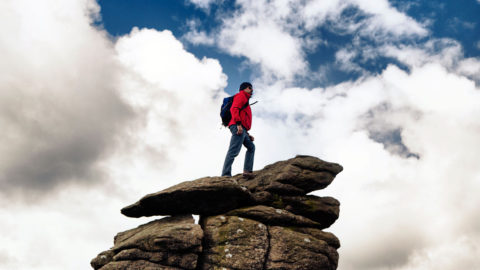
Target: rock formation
x: 268, y: 222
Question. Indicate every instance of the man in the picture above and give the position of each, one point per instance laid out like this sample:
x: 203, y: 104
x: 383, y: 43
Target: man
x: 239, y: 125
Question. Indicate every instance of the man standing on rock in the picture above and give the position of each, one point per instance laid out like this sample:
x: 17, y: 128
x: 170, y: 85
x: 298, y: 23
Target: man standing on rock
x: 239, y: 125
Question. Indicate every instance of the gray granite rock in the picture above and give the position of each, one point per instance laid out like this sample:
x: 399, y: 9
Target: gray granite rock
x: 296, y: 176
x: 324, y: 210
x: 272, y: 216
x: 294, y: 250
x: 264, y: 222
x: 233, y: 243
x: 169, y: 242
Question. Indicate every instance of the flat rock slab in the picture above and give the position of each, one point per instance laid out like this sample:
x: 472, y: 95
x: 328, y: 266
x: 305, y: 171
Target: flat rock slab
x: 205, y: 196
x: 296, y: 176
x: 324, y: 210
x: 233, y: 243
x: 171, y: 243
x: 216, y: 195
x: 272, y: 216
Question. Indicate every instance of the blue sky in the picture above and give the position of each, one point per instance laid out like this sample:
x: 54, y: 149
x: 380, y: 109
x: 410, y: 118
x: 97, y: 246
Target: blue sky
x: 102, y: 102
x: 457, y: 20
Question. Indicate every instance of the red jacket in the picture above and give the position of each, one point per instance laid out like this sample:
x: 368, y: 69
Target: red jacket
x: 243, y: 117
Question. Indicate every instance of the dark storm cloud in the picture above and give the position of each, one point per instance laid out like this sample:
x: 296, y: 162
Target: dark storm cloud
x: 55, y: 140
x: 382, y: 128
x: 392, y: 141
x: 60, y: 113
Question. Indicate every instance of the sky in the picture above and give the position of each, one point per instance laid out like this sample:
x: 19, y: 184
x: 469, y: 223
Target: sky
x: 104, y: 102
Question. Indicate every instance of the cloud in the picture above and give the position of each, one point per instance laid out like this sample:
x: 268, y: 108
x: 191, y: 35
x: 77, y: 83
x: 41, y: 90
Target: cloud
x: 345, y: 59
x: 5, y: 258
x: 277, y: 35
x: 278, y: 53
x: 448, y: 52
x: 316, y: 13
x: 445, y: 51
x: 60, y: 111
x: 199, y: 38
x: 358, y: 57
x: 75, y: 223
x: 459, y: 253
x: 470, y: 67
x: 379, y: 20
x: 176, y: 93
x: 203, y: 4
x: 385, y: 18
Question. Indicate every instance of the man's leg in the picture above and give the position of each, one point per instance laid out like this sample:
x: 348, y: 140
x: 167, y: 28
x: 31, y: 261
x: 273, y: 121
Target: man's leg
x: 248, y: 164
x: 233, y: 150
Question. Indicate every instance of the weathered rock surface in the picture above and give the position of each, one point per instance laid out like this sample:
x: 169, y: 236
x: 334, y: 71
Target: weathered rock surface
x: 267, y: 222
x: 173, y: 242
x: 234, y: 243
x: 330, y: 238
x: 294, y: 250
x: 324, y: 210
x: 271, y: 216
x: 296, y: 176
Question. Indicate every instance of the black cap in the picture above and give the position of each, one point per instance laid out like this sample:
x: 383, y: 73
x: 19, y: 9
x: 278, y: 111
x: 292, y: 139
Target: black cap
x: 245, y: 85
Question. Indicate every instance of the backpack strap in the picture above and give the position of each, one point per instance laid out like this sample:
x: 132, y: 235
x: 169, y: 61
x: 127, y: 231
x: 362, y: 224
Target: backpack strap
x: 246, y: 105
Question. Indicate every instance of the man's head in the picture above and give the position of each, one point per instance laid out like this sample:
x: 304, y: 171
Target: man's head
x: 247, y: 87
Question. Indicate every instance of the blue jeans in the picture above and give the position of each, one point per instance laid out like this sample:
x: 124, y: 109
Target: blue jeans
x: 235, y: 145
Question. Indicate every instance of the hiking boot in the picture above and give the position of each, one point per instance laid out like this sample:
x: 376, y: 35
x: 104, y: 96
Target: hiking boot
x: 248, y: 175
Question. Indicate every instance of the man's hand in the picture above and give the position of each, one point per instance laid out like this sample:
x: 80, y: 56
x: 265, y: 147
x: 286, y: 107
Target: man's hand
x: 239, y: 129
x: 251, y: 137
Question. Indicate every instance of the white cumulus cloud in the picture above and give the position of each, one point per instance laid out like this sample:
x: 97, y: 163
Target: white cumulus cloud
x: 385, y: 18
x: 204, y: 4
x: 276, y: 35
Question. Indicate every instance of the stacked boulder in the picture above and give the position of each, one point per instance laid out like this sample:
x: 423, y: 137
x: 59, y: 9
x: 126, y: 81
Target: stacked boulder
x: 267, y: 222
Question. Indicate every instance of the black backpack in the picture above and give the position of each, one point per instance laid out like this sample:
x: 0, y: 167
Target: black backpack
x: 225, y: 113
